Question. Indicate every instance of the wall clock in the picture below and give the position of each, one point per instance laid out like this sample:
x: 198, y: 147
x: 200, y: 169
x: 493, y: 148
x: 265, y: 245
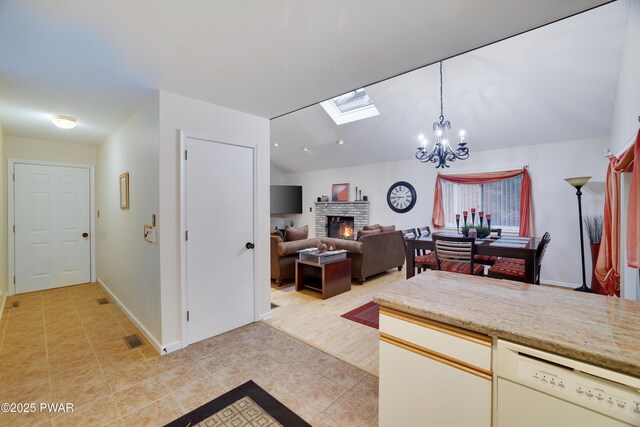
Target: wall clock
x: 401, y: 197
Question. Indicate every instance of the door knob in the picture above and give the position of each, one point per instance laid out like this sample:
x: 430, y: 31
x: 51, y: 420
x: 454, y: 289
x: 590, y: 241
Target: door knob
x: 85, y: 234
x: 250, y: 245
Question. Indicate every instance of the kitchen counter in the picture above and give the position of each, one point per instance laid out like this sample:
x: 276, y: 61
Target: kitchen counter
x: 596, y: 329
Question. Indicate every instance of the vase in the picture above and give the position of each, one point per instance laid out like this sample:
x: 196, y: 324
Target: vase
x: 595, y: 285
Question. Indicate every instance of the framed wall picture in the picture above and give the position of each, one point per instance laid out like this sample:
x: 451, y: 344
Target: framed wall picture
x: 124, y: 191
x: 340, y: 193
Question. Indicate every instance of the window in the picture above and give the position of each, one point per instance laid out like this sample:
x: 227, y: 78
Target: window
x: 500, y: 199
x: 349, y: 107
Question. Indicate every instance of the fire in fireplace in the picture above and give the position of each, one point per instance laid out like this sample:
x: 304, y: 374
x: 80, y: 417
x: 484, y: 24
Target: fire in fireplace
x: 340, y: 227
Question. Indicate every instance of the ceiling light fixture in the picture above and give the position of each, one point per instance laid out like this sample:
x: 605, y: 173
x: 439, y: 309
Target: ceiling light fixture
x: 275, y: 144
x: 442, y: 151
x: 64, y: 122
x: 305, y: 148
x: 340, y: 142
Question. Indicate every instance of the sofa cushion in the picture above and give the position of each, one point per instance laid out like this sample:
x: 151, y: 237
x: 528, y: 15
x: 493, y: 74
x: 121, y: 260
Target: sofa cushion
x: 291, y: 248
x: 292, y: 234
x: 364, y: 232
x: 371, y: 227
x: 387, y: 228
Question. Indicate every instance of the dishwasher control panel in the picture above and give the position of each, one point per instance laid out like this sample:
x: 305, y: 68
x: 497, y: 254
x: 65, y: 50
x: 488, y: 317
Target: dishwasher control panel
x: 580, y: 388
x: 597, y: 389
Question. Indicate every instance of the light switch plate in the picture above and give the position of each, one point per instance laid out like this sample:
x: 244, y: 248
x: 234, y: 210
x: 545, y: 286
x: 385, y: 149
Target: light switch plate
x: 149, y: 234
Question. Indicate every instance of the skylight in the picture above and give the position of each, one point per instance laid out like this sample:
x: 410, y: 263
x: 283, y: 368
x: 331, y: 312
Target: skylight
x: 349, y: 107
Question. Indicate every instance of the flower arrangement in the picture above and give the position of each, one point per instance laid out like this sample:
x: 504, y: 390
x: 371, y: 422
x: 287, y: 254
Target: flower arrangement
x: 483, y: 230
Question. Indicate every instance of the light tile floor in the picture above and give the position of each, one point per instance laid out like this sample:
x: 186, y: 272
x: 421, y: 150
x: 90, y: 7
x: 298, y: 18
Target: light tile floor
x: 60, y: 345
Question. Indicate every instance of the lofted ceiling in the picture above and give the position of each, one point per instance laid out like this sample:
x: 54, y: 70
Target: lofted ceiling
x: 100, y: 61
x: 556, y: 83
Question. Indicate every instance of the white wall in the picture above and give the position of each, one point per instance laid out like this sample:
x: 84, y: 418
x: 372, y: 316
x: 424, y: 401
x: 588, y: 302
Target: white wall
x: 555, y: 202
x: 19, y: 148
x: 624, y: 129
x: 213, y: 121
x: 277, y: 176
x: 128, y: 266
x: 3, y: 222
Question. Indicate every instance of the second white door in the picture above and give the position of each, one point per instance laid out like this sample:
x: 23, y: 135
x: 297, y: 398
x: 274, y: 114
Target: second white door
x: 52, y: 226
x: 219, y: 207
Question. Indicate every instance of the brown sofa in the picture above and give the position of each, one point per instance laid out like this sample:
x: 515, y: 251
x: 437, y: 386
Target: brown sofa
x: 371, y: 254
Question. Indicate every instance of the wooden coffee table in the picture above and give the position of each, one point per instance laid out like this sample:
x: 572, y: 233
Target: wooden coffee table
x: 331, y: 278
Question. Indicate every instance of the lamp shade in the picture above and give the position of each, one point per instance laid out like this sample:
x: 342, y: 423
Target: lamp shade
x: 578, y: 181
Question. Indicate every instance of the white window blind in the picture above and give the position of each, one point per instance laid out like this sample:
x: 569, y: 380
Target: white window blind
x: 500, y: 199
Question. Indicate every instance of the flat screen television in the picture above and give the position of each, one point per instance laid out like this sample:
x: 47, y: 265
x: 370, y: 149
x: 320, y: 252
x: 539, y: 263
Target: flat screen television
x: 286, y: 199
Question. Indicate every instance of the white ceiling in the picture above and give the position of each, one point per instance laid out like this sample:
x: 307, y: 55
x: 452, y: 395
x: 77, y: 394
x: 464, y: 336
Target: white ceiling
x: 556, y: 83
x: 100, y: 60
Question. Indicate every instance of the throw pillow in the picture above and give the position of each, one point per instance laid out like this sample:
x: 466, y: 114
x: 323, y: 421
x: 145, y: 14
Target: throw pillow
x: 371, y: 227
x: 291, y: 234
x: 364, y: 232
x: 386, y: 228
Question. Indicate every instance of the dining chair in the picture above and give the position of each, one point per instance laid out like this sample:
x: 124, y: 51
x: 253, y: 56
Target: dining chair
x: 423, y: 260
x: 456, y: 254
x: 513, y: 268
x: 409, y: 233
x: 424, y: 231
x: 497, y: 231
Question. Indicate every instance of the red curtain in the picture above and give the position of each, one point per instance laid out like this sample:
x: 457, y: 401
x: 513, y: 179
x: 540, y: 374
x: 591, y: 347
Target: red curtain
x: 608, y: 264
x: 526, y: 206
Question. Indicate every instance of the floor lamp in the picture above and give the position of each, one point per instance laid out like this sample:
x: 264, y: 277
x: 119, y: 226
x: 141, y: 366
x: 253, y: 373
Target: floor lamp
x: 578, y: 183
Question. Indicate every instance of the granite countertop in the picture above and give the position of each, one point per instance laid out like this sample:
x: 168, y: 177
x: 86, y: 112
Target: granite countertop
x: 592, y: 328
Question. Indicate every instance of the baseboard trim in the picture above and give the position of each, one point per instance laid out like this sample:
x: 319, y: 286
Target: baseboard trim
x: 266, y: 316
x: 171, y: 347
x: 148, y: 335
x: 3, y: 297
x: 558, y: 284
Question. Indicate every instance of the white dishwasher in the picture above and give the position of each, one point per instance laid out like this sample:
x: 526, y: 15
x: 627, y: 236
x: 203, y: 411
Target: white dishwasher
x: 536, y: 388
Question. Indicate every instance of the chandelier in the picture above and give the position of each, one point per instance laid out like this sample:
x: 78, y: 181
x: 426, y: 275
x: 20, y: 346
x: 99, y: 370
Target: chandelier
x: 442, y: 151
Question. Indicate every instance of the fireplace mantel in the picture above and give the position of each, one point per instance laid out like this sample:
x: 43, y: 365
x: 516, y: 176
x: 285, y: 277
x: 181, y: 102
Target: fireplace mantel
x: 358, y: 210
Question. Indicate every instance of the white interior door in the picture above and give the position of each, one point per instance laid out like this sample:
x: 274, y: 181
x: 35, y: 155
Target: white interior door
x: 219, y: 209
x: 52, y: 226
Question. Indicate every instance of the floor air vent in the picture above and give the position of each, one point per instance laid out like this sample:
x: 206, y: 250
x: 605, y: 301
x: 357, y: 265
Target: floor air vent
x: 132, y: 341
x: 15, y: 304
x: 103, y: 301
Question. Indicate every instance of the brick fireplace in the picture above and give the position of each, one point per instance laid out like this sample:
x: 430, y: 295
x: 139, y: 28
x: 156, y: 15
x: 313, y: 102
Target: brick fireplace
x: 359, y: 211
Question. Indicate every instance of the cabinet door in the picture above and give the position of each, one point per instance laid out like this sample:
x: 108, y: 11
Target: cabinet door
x: 416, y: 390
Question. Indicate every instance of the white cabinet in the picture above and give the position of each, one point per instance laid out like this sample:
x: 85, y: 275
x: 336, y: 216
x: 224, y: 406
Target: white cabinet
x: 432, y: 374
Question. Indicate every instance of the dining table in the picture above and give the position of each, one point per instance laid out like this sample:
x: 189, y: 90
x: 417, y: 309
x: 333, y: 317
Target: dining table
x: 504, y: 246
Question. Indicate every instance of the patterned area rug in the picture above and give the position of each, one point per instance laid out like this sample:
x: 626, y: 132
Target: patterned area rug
x: 368, y: 314
x: 245, y: 405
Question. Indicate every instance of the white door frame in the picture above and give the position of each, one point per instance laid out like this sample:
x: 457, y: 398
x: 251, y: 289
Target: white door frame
x: 183, y: 224
x: 11, y: 214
